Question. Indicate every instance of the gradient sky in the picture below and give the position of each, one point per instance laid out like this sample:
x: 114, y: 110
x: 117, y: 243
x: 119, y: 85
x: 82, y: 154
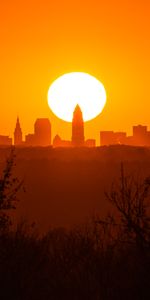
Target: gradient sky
x: 41, y: 40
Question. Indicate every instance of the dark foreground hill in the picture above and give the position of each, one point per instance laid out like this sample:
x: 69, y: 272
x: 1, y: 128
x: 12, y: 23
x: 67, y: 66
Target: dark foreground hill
x: 101, y: 259
x: 66, y: 186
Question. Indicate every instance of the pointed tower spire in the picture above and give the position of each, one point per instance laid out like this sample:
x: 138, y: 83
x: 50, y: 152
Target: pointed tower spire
x: 77, y: 128
x: 18, y: 133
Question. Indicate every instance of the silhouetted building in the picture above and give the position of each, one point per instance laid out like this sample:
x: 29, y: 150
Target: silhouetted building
x: 18, y: 134
x: 120, y: 137
x: 42, y: 131
x: 130, y: 140
x: 147, y: 141
x: 77, y: 128
x: 30, y: 140
x: 140, y: 135
x: 106, y: 138
x: 112, y: 138
x: 41, y: 135
x: 90, y: 143
x: 58, y: 142
x: 5, y: 140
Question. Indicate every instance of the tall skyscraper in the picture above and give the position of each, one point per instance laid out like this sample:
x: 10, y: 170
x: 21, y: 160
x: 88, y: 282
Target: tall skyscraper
x: 18, y: 134
x: 77, y: 128
x: 42, y: 132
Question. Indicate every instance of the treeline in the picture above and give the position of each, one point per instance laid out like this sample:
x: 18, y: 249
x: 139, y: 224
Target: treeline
x: 100, y: 260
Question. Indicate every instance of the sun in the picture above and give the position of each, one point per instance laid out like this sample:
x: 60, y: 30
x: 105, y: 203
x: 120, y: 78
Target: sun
x: 76, y: 88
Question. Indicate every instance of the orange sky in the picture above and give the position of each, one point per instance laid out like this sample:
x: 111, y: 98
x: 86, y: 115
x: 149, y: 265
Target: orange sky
x: 41, y: 40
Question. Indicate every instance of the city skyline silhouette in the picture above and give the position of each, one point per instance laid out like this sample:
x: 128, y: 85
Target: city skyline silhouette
x: 42, y: 135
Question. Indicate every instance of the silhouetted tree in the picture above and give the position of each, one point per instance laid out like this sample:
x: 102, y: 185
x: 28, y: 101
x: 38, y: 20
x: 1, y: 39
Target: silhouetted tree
x: 9, y: 187
x: 131, y: 199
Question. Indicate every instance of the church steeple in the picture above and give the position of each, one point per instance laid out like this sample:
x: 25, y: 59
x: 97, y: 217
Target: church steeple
x: 18, y: 134
x: 77, y: 128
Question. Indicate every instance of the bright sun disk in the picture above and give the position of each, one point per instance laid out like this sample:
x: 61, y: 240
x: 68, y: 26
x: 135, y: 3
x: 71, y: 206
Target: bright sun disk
x: 76, y: 88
